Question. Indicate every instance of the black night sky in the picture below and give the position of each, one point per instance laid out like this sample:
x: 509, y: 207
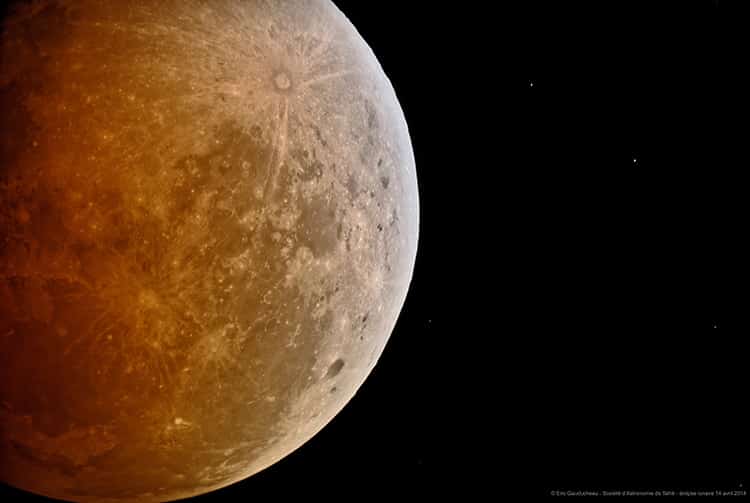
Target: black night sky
x: 580, y: 295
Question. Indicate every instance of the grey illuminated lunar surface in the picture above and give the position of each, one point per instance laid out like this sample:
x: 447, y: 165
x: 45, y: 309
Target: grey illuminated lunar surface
x: 209, y: 220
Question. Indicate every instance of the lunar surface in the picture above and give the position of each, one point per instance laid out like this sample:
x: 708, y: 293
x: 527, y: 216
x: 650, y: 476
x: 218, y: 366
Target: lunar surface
x: 209, y: 219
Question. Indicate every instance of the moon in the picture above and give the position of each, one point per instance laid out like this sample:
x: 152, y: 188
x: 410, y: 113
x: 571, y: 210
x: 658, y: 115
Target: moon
x: 209, y: 216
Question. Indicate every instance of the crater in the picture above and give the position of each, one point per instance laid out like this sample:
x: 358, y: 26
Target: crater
x: 282, y: 81
x: 335, y: 368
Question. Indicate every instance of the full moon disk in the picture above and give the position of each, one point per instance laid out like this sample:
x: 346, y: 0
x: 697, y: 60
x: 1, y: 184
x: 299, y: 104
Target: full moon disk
x: 209, y: 219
